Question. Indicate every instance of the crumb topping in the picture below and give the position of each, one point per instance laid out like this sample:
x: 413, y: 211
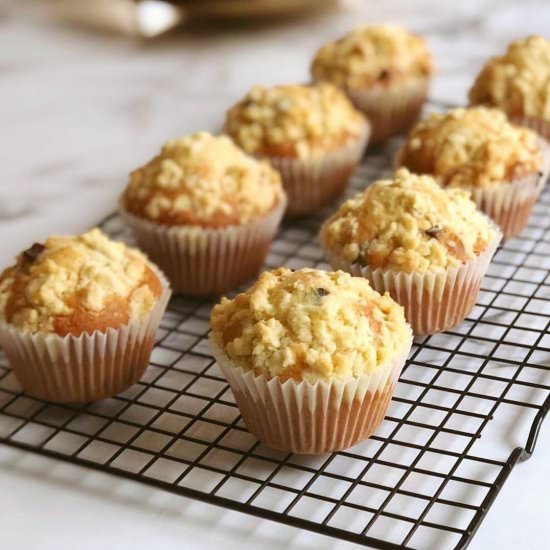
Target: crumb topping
x: 518, y: 81
x: 295, y: 121
x: 310, y: 325
x: 378, y: 55
x: 408, y: 224
x: 202, y: 180
x: 475, y: 147
x: 75, y: 284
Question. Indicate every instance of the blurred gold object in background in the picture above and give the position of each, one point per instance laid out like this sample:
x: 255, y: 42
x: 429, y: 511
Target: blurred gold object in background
x: 145, y: 18
x: 244, y: 9
x: 149, y: 18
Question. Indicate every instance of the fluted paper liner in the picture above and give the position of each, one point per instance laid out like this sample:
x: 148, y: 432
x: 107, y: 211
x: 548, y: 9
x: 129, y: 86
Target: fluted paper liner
x: 77, y: 369
x: 312, y: 184
x: 391, y: 111
x: 434, y: 301
x: 311, y: 418
x: 539, y: 125
x: 510, y: 204
x: 207, y: 261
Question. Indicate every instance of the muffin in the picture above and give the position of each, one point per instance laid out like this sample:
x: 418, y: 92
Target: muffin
x: 205, y: 212
x: 311, y: 134
x: 384, y: 70
x: 477, y: 149
x: 518, y: 82
x: 312, y: 357
x: 427, y: 246
x: 78, y: 316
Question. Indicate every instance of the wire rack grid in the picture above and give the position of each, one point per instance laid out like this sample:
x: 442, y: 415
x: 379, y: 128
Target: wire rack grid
x: 428, y: 476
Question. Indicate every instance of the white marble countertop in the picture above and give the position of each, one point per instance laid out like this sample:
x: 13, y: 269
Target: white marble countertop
x: 78, y: 111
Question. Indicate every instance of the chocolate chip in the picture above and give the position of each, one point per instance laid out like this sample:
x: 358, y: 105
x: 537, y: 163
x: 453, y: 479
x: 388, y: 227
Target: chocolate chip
x: 434, y: 231
x: 360, y: 261
x: 32, y: 253
x: 383, y: 74
x: 322, y: 292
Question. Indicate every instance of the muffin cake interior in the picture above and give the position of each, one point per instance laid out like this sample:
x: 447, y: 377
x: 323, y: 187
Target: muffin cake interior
x: 294, y: 121
x: 310, y: 325
x: 72, y: 285
x: 475, y: 147
x: 202, y: 180
x: 373, y: 56
x: 517, y: 81
x: 408, y: 223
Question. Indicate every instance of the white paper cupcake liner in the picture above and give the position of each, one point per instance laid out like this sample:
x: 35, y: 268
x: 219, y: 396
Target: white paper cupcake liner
x: 311, y: 418
x: 77, y: 369
x: 541, y: 126
x: 391, y: 111
x: 510, y: 204
x: 434, y: 301
x: 312, y: 184
x: 202, y: 261
x: 545, y: 146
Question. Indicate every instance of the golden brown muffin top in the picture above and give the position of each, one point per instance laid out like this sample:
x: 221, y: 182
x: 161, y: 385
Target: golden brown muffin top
x: 373, y: 56
x: 517, y: 82
x: 203, y: 180
x: 310, y: 325
x: 72, y: 285
x: 408, y: 223
x: 474, y: 147
x: 294, y: 121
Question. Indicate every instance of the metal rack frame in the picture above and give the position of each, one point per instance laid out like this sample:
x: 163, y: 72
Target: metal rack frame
x: 420, y: 481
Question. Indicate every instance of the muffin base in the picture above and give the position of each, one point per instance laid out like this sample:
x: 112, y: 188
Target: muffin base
x: 312, y: 184
x: 78, y: 369
x: 207, y: 262
x: 510, y: 204
x: 391, y: 111
x: 434, y: 301
x: 306, y: 418
x: 541, y: 126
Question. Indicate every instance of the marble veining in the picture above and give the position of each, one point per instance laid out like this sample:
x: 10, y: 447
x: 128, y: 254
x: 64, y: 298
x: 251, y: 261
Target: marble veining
x: 79, y: 110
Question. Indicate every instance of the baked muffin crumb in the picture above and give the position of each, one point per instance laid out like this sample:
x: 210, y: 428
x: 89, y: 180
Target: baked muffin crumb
x: 408, y: 223
x: 372, y: 56
x: 518, y: 81
x: 202, y: 180
x: 474, y: 147
x: 310, y: 325
x: 294, y: 121
x: 71, y: 285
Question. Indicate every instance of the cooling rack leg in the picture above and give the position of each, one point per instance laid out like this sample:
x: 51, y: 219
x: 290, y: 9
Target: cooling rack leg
x: 515, y: 457
x: 535, y: 429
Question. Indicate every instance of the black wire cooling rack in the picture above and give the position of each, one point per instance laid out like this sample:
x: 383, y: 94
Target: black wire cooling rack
x: 428, y: 476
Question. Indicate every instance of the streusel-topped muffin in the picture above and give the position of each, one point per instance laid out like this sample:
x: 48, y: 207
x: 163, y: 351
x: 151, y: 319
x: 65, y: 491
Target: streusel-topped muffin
x: 202, y: 180
x: 78, y: 316
x: 310, y: 325
x: 428, y: 246
x: 76, y: 284
x: 311, y: 134
x: 294, y: 121
x: 408, y: 224
x: 205, y: 212
x: 518, y: 82
x: 312, y: 357
x: 475, y: 147
x: 377, y: 55
x: 384, y: 69
x: 478, y: 149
